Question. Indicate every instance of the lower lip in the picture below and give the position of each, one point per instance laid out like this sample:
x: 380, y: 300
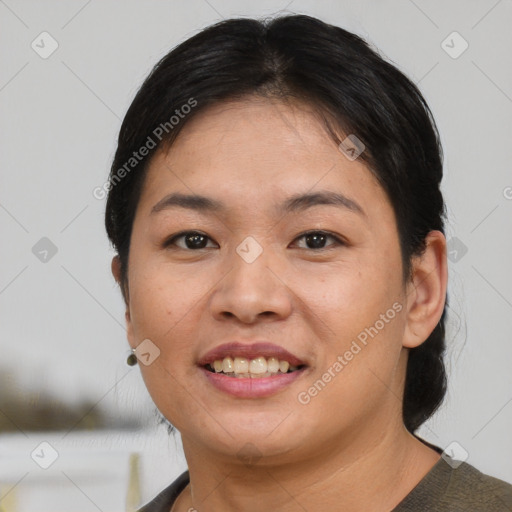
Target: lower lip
x: 252, y: 388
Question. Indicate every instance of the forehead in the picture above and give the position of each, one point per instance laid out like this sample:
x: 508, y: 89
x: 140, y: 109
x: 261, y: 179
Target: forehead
x: 257, y: 151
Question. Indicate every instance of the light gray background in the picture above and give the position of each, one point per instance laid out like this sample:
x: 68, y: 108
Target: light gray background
x: 62, y: 322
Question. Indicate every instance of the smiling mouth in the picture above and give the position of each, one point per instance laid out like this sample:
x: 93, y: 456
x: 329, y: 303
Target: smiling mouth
x: 241, y: 367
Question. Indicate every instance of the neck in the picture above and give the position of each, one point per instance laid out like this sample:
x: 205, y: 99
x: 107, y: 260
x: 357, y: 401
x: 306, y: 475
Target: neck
x: 375, y: 475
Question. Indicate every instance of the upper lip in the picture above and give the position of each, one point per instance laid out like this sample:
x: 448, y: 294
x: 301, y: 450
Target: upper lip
x: 249, y: 351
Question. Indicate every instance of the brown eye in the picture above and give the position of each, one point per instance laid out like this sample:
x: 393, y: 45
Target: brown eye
x: 192, y: 240
x: 317, y: 240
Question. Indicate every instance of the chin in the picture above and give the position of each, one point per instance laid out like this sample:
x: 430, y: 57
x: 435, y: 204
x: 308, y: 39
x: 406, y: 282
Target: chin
x: 253, y: 436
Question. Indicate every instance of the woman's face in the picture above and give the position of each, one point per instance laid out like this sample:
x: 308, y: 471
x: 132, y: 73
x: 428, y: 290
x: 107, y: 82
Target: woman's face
x: 335, y: 300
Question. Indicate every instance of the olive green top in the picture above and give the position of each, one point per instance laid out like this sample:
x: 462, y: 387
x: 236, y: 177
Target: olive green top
x: 450, y: 486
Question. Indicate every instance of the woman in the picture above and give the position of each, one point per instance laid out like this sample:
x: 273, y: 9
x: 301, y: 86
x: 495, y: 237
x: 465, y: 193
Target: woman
x: 274, y: 202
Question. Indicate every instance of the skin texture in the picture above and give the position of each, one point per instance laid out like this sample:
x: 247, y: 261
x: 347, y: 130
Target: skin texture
x: 347, y: 448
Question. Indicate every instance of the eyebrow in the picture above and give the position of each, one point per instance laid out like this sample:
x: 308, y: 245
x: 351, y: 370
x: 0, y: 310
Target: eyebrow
x: 295, y: 203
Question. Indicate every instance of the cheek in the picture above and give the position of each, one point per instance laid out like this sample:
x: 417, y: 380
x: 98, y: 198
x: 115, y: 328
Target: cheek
x: 160, y: 297
x: 362, y: 316
x: 358, y: 310
x: 156, y: 310
x: 348, y: 295
x: 164, y: 308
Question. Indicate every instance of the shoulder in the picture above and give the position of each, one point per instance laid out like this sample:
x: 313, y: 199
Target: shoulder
x: 473, y: 488
x: 452, y: 486
x: 165, y: 499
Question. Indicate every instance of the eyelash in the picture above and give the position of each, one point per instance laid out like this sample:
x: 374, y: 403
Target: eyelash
x: 338, y: 242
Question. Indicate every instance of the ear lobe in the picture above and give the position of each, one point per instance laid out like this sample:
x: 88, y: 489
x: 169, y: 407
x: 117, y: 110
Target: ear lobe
x: 426, y: 292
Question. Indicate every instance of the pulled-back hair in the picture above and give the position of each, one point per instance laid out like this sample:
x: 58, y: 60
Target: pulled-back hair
x: 352, y: 89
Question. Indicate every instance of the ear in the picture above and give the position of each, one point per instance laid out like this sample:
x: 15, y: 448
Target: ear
x: 116, y: 272
x: 426, y: 291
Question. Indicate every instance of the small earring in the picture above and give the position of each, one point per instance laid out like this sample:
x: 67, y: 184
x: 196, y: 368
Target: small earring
x: 131, y: 360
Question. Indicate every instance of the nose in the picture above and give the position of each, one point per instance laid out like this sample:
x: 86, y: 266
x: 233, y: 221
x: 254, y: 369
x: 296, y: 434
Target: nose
x: 252, y: 292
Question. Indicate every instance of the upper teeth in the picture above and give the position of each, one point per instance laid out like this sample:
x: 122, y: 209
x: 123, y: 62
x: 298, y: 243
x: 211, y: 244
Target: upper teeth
x: 257, y: 366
